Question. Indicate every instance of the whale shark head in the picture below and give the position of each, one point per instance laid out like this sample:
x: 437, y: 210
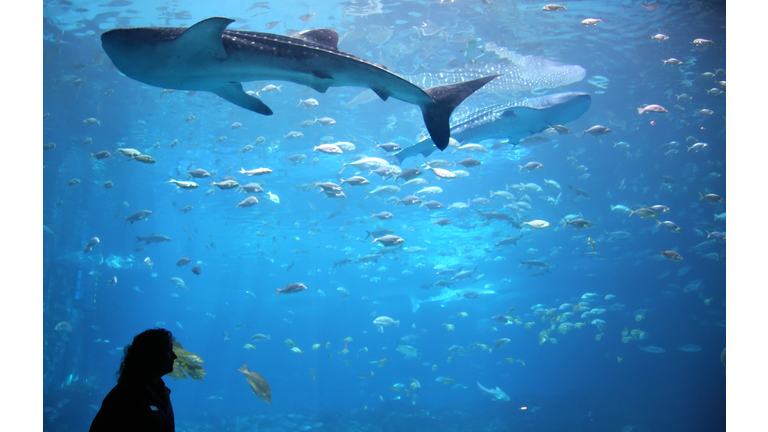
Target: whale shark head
x: 162, y: 56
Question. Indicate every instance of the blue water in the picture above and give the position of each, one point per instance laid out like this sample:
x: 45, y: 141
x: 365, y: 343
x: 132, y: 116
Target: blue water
x: 569, y: 381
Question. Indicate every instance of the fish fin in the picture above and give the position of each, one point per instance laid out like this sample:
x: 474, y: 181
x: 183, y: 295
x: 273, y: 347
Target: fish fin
x: 381, y: 94
x: 233, y: 92
x: 204, y: 37
x: 415, y: 303
x: 244, y: 368
x: 445, y: 99
x: 327, y: 38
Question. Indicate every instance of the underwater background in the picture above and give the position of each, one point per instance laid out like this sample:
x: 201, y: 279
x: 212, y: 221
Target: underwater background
x: 603, y: 332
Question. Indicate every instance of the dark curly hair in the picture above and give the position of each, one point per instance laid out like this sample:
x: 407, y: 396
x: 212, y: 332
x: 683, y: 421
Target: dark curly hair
x: 140, y: 356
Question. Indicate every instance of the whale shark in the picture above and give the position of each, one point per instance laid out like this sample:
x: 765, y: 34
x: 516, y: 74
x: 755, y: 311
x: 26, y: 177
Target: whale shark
x: 208, y: 57
x: 510, y: 120
x: 497, y: 393
x: 446, y: 295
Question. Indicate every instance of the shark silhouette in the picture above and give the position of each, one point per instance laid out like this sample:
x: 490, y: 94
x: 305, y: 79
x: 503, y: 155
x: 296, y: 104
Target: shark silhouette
x: 497, y: 393
x: 207, y: 57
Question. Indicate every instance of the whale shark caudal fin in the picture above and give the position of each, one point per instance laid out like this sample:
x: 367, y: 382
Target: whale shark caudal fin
x: 446, y: 98
x: 415, y: 303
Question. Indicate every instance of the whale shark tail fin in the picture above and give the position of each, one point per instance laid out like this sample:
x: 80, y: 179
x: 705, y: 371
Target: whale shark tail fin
x: 415, y: 303
x: 446, y: 98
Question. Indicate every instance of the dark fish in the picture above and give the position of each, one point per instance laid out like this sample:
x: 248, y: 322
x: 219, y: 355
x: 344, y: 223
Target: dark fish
x: 251, y: 188
x: 379, y: 233
x: 596, y: 130
x: 577, y: 223
x: 442, y: 222
x: 355, y: 181
x: 291, y: 288
x: 199, y: 173
x: 344, y: 261
x: 147, y: 159
x: 465, y: 274
x: 508, y: 241
x: 183, y: 261
x: 671, y: 255
x: 388, y: 240
x: 258, y: 384
x: 491, y: 215
x: 101, y: 155
x: 382, y: 216
x: 139, y: 215
x: 196, y: 269
x: 468, y: 163
x: 248, y: 202
x: 388, y: 147
x: 368, y: 258
x: 328, y: 186
x: 290, y: 266
x: 384, y: 172
x: 409, y: 174
x: 533, y: 263
x: 409, y: 200
x: 432, y: 205
x: 154, y: 238
x: 449, y: 272
x: 579, y: 192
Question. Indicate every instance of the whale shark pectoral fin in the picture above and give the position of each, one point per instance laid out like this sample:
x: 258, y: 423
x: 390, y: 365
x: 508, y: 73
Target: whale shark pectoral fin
x: 323, y: 84
x: 233, y: 92
x: 204, y: 36
x: 381, y: 93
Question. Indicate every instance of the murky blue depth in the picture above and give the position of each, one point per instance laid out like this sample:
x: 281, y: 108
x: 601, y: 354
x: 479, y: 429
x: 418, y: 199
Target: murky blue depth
x: 602, y: 328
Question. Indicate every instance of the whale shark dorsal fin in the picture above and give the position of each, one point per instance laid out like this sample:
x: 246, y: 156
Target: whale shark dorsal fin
x: 327, y: 38
x: 205, y: 36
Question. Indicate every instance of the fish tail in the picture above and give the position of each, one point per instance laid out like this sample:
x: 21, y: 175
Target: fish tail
x: 708, y: 233
x: 138, y: 239
x: 639, y: 111
x: 521, y: 169
x: 444, y: 100
x: 631, y: 212
x: 277, y: 291
x: 566, y: 222
x: 701, y: 195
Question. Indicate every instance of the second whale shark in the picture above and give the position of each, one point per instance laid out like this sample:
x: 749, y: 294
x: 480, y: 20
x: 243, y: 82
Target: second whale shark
x: 208, y: 57
x: 510, y: 120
